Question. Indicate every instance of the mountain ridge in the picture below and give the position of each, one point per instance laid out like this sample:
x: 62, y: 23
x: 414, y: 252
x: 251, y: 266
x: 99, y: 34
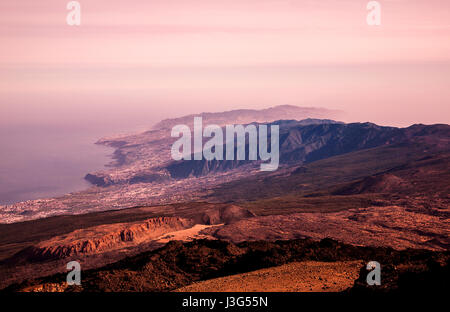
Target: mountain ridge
x: 245, y: 116
x: 300, y: 144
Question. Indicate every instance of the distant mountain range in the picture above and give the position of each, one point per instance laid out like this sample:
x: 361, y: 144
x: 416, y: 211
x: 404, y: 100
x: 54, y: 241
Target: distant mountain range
x: 316, y: 153
x: 246, y: 116
x: 311, y: 140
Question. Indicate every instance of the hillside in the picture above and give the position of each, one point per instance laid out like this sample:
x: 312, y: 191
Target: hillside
x: 306, y: 276
x: 303, y: 144
x: 177, y: 265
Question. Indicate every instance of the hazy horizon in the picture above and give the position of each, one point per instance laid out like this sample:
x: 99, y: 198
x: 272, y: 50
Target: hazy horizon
x: 170, y: 58
x: 130, y: 64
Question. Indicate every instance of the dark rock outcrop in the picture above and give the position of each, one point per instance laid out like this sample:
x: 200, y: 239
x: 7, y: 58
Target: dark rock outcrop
x: 226, y: 215
x: 180, y: 264
x: 100, y: 238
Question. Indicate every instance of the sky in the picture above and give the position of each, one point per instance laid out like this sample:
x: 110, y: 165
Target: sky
x: 131, y: 63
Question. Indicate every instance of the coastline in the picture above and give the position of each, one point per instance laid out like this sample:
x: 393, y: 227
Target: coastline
x: 71, y: 171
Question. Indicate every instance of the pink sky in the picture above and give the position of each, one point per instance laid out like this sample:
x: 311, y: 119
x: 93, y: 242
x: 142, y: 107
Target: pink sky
x: 185, y: 56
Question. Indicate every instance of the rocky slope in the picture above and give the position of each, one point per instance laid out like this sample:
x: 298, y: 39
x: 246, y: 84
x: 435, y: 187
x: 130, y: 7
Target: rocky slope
x: 180, y: 264
x: 102, y: 238
x: 392, y: 226
x: 300, y: 144
x: 306, y: 276
x: 109, y: 237
x: 226, y: 215
x: 380, y: 183
x: 42, y: 247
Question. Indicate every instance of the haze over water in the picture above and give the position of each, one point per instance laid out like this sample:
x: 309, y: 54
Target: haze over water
x: 128, y: 66
x: 47, y: 149
x: 40, y: 162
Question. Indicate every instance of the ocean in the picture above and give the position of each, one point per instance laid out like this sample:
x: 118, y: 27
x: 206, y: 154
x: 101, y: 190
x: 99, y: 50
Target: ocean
x: 40, y: 162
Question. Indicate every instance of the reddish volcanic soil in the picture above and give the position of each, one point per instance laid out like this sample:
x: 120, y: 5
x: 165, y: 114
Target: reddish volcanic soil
x: 106, y: 237
x: 392, y: 226
x: 307, y: 276
x: 282, y: 265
